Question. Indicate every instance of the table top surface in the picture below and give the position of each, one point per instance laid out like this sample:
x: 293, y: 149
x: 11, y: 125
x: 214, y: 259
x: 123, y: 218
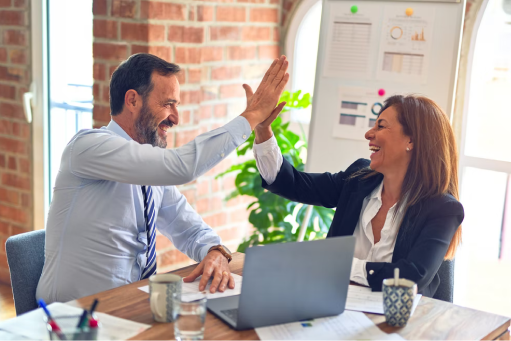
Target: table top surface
x: 432, y: 320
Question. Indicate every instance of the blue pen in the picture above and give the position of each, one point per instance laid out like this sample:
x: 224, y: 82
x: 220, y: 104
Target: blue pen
x: 54, y: 326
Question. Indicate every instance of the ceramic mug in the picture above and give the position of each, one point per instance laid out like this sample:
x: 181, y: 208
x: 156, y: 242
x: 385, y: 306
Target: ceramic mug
x: 398, y: 300
x: 161, y: 289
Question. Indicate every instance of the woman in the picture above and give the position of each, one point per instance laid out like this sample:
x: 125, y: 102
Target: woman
x: 402, y: 205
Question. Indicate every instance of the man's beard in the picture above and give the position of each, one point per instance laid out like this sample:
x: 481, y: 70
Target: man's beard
x: 146, y: 129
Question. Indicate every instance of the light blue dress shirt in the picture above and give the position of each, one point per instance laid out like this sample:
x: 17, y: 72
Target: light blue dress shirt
x: 96, y: 234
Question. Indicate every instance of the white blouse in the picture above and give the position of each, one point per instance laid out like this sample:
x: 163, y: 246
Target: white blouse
x: 269, y: 161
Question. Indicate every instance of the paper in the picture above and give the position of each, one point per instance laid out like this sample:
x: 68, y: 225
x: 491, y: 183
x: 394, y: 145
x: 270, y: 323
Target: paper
x: 358, y: 111
x: 193, y: 288
x: 349, y: 41
x: 350, y: 325
x: 32, y: 326
x: 363, y: 299
x: 405, y: 43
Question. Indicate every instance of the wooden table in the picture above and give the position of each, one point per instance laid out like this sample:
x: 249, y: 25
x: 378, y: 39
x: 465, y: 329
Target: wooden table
x: 432, y: 320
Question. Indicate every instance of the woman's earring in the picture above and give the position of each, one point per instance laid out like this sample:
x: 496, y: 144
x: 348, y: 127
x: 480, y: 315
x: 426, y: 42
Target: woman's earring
x: 407, y: 149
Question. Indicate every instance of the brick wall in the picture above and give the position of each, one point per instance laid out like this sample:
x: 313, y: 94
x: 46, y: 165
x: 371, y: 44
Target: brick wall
x: 15, y: 135
x: 220, y: 45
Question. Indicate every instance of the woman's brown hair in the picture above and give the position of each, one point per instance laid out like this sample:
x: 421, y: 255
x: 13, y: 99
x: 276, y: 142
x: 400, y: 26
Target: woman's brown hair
x: 433, y: 169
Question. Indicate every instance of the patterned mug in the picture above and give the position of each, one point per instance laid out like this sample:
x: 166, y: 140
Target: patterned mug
x: 161, y: 288
x: 398, y: 300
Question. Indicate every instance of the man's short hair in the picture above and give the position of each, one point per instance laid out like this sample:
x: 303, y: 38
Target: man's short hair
x: 135, y: 73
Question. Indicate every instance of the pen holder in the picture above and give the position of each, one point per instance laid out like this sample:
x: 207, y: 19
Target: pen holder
x: 68, y: 329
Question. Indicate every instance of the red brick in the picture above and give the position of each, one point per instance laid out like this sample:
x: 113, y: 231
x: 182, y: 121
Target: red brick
x: 205, y: 112
x: 194, y: 76
x: 241, y: 52
x: 2, y: 161
x: 191, y: 13
x: 188, y: 55
x: 105, y: 94
x: 264, y: 15
x: 183, y: 34
x: 124, y: 8
x: 14, y: 18
x: 12, y: 110
x: 21, y: 129
x: 220, y: 110
x: 24, y: 165
x: 226, y: 72
x: 255, y: 33
x: 234, y: 14
x: 185, y: 117
x: 14, y: 214
x: 231, y: 91
x: 230, y: 233
x: 20, y: 3
x: 12, y: 146
x: 185, y: 136
x: 276, y: 34
x: 7, y: 91
x: 216, y: 220
x: 12, y: 165
x: 13, y: 180
x: 162, y: 242
x: 190, y: 97
x: 3, y: 55
x: 142, y: 32
x: 224, y: 33
x: 114, y: 52
x: 209, y: 93
x: 181, y: 77
x: 19, y: 229
x: 164, y: 52
x: 99, y: 7
x: 205, y: 13
x: 5, y: 228
x: 26, y: 200
x: 18, y: 56
x: 5, y: 3
x: 95, y: 92
x: 212, y: 53
x: 99, y: 72
x: 15, y: 37
x: 105, y: 29
x: 269, y: 52
x: 112, y: 68
x: 101, y: 113
x: 256, y: 71
x: 5, y: 127
x: 170, y: 258
x: 162, y: 10
x: 9, y: 197
x: 203, y: 188
x: 13, y: 74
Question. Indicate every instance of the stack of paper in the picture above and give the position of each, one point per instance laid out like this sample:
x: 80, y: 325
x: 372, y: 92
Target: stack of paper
x: 193, y: 288
x: 32, y: 326
x: 350, y: 325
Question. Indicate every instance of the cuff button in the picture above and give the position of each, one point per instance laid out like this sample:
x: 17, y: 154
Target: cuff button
x: 222, y: 155
x: 244, y: 136
x: 371, y: 272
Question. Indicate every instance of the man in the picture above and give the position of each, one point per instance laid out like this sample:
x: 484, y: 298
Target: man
x: 116, y: 185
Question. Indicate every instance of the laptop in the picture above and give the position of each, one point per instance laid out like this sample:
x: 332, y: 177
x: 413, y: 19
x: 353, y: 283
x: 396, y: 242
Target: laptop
x: 289, y: 282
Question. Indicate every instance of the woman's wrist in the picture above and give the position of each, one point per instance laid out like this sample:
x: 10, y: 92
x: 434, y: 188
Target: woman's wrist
x: 262, y: 134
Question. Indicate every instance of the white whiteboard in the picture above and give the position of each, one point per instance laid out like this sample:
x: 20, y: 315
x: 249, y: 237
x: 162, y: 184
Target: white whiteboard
x: 327, y: 153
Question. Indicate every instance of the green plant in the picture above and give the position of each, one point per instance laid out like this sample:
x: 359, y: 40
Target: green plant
x: 276, y: 219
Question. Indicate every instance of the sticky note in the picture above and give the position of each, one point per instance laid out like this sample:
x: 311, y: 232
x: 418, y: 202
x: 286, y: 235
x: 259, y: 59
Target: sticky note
x: 409, y: 11
x: 354, y: 9
x: 381, y: 92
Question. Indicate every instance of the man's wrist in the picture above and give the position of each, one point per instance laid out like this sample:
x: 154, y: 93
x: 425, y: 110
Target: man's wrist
x: 263, y: 134
x: 252, y: 118
x: 223, y: 250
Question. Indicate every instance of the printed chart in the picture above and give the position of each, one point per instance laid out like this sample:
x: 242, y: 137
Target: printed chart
x: 405, y: 44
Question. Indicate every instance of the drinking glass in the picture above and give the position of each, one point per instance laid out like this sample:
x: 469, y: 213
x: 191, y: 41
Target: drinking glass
x: 189, y: 315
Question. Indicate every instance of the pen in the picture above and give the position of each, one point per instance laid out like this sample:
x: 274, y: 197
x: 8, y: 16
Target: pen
x: 93, y: 307
x: 93, y: 323
x: 54, y: 326
x: 83, y: 319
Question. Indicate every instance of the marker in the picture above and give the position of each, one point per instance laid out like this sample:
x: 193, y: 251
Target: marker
x: 93, y: 307
x: 54, y: 326
x: 83, y: 319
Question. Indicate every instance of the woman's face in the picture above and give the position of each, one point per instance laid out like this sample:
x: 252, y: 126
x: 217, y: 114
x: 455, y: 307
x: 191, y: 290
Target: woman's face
x: 388, y: 144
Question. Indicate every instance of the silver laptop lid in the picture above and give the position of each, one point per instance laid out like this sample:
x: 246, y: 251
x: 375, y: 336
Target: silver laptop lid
x: 295, y: 281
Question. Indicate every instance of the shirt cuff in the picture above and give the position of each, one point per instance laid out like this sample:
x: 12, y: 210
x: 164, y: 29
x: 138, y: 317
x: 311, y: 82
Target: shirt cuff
x: 205, y: 249
x: 358, y: 272
x: 266, y: 146
x: 239, y: 129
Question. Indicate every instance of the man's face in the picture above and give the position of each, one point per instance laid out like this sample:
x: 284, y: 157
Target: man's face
x: 159, y: 111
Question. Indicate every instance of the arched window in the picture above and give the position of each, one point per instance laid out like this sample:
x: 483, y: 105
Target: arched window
x: 302, y: 50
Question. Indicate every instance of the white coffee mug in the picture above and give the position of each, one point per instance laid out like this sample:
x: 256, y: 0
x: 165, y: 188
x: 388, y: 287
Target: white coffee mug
x: 161, y: 288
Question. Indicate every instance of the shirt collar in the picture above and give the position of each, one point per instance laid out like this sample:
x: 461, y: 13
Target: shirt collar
x: 376, y: 193
x: 113, y: 126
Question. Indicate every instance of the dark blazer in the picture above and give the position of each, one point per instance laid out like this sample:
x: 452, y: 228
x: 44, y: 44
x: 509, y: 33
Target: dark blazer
x: 423, y: 238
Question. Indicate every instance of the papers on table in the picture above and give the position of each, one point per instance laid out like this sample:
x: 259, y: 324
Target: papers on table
x: 32, y: 326
x: 363, y: 299
x: 350, y: 325
x: 193, y: 288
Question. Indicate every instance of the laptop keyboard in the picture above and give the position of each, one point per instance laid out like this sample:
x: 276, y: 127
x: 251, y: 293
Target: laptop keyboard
x: 231, y: 313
